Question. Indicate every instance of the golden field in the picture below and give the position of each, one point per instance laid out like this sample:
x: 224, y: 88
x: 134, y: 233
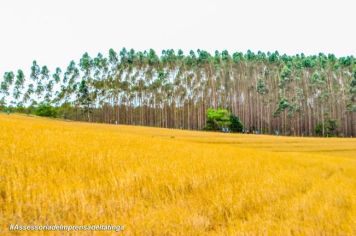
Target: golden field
x: 173, y: 182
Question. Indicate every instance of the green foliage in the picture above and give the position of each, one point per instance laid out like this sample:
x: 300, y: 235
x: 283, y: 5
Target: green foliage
x: 353, y: 86
x: 286, y: 72
x: 282, y: 105
x: 235, y: 124
x: 217, y: 119
x: 273, y: 57
x: 21, y: 109
x: 9, y: 77
x: 57, y: 74
x: 330, y: 127
x: 319, y: 129
x: 261, y: 87
x: 285, y: 76
x: 2, y: 104
x: 317, y: 79
x: 65, y: 110
x: 308, y: 62
x: 86, y: 63
x: 45, y: 109
x: 84, y: 96
x: 351, y: 107
x: 35, y: 71
x: 4, y: 88
x: 237, y: 57
x: 211, y: 125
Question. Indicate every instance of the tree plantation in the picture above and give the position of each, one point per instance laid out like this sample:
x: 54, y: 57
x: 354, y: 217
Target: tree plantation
x: 270, y: 93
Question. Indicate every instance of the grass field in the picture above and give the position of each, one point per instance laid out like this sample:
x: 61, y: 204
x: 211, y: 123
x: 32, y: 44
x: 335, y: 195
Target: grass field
x: 173, y: 182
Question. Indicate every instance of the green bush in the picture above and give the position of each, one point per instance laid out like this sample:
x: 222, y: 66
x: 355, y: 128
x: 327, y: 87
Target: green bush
x: 235, y: 124
x: 222, y: 119
x: 217, y: 119
x: 319, y: 129
x: 47, y: 110
x: 211, y: 125
x: 330, y: 127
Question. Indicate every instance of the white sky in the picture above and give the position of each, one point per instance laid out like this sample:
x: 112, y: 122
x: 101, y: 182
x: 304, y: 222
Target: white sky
x: 56, y: 31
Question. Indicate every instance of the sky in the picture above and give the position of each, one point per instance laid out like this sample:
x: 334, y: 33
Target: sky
x: 56, y: 31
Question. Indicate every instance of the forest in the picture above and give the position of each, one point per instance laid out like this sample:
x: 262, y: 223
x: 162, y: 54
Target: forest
x: 270, y: 93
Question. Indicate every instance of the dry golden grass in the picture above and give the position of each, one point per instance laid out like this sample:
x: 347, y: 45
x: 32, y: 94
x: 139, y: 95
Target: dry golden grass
x: 171, y: 182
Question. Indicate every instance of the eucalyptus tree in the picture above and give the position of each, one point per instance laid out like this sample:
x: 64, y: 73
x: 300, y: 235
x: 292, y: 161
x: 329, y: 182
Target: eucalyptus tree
x: 268, y: 91
x: 353, y: 91
x: 37, y: 82
x: 67, y: 84
x: 45, y: 84
x: 56, y: 83
x: 86, y: 94
x: 84, y: 97
x: 6, y: 85
x: 19, y: 85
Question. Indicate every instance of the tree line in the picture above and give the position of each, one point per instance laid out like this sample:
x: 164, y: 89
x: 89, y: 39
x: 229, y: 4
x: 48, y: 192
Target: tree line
x: 270, y: 93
